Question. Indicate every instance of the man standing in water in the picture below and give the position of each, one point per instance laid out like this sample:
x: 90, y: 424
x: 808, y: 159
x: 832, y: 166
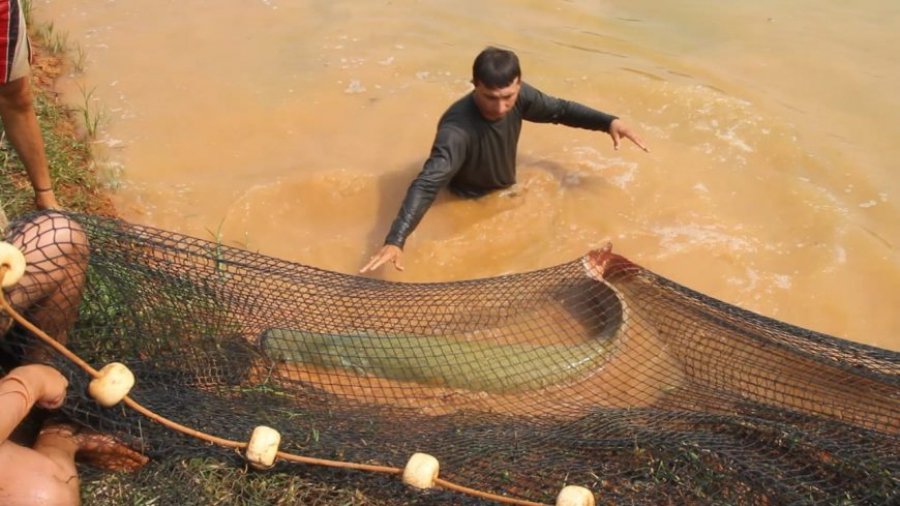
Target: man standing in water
x: 474, y: 151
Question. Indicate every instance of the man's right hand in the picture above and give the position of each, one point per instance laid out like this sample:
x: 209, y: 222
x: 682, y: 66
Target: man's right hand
x: 388, y: 253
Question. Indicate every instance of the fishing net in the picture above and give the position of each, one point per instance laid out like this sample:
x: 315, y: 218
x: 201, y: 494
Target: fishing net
x: 596, y: 373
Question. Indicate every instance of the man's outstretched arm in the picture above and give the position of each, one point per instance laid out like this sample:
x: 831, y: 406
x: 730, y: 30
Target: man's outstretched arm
x: 543, y: 108
x: 418, y: 200
x: 449, y: 146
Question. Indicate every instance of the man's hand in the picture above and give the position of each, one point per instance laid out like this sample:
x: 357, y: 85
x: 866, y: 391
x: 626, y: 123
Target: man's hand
x: 388, y: 253
x: 618, y: 130
x: 46, y: 200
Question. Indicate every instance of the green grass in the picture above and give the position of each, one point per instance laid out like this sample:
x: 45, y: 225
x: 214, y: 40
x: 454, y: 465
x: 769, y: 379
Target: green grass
x: 91, y: 117
x: 55, y: 42
x: 208, y: 481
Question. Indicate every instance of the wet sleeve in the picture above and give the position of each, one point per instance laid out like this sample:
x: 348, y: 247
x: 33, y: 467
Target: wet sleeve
x: 541, y: 108
x: 447, y: 155
x: 15, y: 402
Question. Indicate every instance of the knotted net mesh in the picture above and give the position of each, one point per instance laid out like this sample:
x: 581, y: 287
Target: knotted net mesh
x: 597, y: 373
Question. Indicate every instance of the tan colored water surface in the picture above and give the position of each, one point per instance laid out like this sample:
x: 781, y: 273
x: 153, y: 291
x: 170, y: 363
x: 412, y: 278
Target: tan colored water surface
x: 293, y: 128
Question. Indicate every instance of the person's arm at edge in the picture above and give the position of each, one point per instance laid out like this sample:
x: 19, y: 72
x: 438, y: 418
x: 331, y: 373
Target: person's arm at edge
x: 24, y: 387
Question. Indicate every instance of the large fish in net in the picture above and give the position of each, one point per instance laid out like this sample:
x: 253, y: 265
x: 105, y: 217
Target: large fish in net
x: 596, y: 372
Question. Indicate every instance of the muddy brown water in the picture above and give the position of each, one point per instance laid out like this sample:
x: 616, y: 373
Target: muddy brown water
x: 293, y: 128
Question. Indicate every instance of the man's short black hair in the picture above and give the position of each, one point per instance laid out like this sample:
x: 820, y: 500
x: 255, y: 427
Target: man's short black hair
x: 496, y: 68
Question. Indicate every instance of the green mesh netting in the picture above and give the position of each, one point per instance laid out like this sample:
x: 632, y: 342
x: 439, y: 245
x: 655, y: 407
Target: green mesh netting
x: 596, y: 373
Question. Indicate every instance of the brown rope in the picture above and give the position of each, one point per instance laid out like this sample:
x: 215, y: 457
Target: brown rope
x: 484, y: 495
x: 227, y: 443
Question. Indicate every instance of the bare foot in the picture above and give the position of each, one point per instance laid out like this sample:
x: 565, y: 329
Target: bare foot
x: 106, y: 452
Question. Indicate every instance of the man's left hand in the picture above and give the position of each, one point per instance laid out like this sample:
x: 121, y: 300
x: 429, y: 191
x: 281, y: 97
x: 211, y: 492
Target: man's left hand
x: 618, y: 130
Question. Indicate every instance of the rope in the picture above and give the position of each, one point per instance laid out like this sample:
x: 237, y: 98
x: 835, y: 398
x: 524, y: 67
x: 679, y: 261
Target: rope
x: 227, y: 443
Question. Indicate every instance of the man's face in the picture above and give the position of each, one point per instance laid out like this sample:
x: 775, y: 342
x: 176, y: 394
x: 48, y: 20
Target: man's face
x: 494, y: 103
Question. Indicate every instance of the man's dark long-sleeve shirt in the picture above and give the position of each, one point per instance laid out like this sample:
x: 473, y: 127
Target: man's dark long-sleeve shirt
x: 473, y: 156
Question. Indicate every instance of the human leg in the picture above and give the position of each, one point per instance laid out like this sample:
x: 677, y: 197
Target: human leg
x: 22, y: 129
x: 17, y: 102
x: 56, y: 254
